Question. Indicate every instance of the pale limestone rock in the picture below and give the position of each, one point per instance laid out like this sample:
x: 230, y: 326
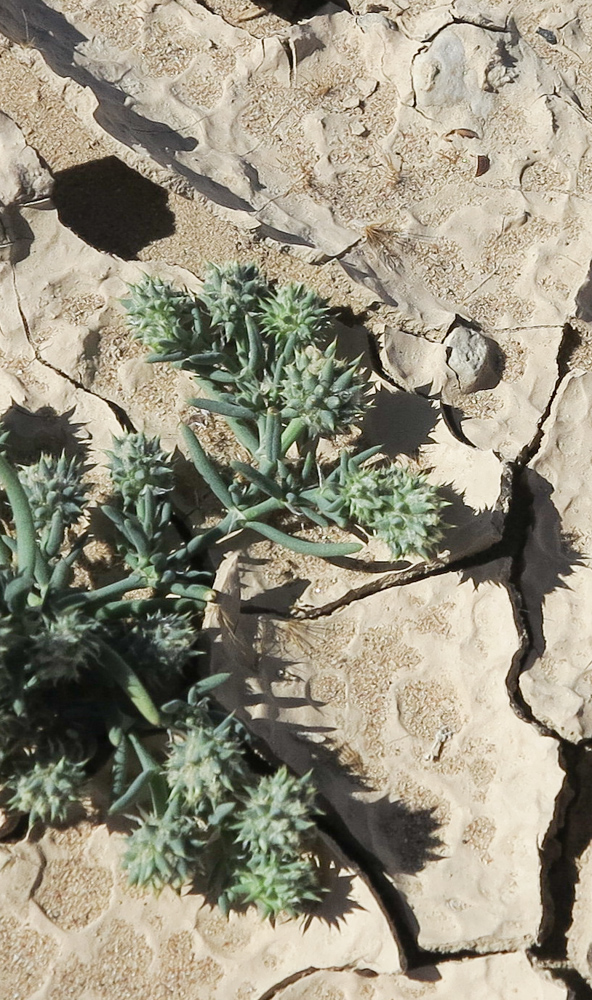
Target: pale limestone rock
x: 398, y: 703
x: 506, y: 416
x: 556, y: 583
x: 453, y: 188
x: 503, y: 412
x: 103, y: 935
x: 470, y: 358
x: 22, y: 176
x: 413, y: 362
x: 493, y: 977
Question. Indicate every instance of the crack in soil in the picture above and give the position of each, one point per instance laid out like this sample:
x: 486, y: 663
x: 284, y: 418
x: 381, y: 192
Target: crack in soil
x: 296, y: 977
x: 117, y: 410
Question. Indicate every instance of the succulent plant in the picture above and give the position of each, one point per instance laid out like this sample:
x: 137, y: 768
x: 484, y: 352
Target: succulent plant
x: 66, y: 676
x: 204, y: 767
x: 138, y: 463
x: 46, y: 789
x: 161, y: 643
x: 272, y: 372
x: 169, y: 322
x: 294, y: 311
x: 276, y: 814
x: 399, y: 506
x: 80, y: 667
x: 55, y: 483
x: 230, y: 292
x: 272, y: 832
x: 275, y: 885
x: 161, y: 851
x: 327, y: 394
x: 60, y: 647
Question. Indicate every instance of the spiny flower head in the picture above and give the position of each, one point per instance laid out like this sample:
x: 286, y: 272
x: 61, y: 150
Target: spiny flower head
x: 166, y: 320
x: 328, y: 394
x: 397, y: 505
x: 55, y: 483
x: 45, y: 790
x: 275, y: 885
x: 231, y: 291
x: 60, y: 648
x: 204, y: 766
x: 160, y: 642
x: 138, y: 463
x: 276, y: 814
x: 161, y: 851
x: 295, y: 309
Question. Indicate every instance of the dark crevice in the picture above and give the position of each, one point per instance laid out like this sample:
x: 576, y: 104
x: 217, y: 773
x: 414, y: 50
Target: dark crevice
x: 559, y: 855
x: 577, y: 987
x: 568, y: 344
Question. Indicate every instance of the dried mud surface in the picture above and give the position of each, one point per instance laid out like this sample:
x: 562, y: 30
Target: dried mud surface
x: 427, y: 169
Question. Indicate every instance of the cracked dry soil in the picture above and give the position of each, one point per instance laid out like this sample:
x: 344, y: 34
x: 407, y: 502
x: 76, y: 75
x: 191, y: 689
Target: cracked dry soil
x: 461, y: 863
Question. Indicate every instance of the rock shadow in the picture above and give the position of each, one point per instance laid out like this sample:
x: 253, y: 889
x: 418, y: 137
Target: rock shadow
x: 549, y: 559
x: 112, y: 207
x: 32, y: 22
x: 400, y: 421
x: 584, y: 298
x: 293, y: 11
x: 16, y: 234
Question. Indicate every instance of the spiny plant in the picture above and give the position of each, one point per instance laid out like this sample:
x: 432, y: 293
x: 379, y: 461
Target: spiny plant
x: 249, y: 840
x: 79, y: 665
x: 266, y: 360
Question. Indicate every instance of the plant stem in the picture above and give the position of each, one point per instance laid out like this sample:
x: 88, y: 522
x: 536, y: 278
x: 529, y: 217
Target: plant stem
x: 23, y: 519
x: 242, y: 433
x: 90, y: 599
x: 292, y: 433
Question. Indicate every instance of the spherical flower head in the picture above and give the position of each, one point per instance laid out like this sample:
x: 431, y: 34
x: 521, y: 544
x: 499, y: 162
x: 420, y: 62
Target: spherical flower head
x: 276, y: 814
x: 160, y: 852
x: 161, y: 642
x: 329, y: 395
x: 204, y: 768
x: 399, y: 506
x: 60, y: 649
x: 46, y: 790
x: 138, y: 463
x: 277, y: 884
x: 55, y: 483
x: 295, y: 309
x: 230, y: 291
x: 166, y: 320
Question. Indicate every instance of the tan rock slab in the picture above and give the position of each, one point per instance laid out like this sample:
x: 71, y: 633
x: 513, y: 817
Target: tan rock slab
x: 494, y: 977
x: 501, y: 414
x: 556, y: 582
x: 440, y: 154
x: 398, y: 703
x: 79, y: 931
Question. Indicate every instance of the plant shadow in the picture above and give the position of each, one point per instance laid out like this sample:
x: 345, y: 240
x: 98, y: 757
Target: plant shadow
x: 382, y: 835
